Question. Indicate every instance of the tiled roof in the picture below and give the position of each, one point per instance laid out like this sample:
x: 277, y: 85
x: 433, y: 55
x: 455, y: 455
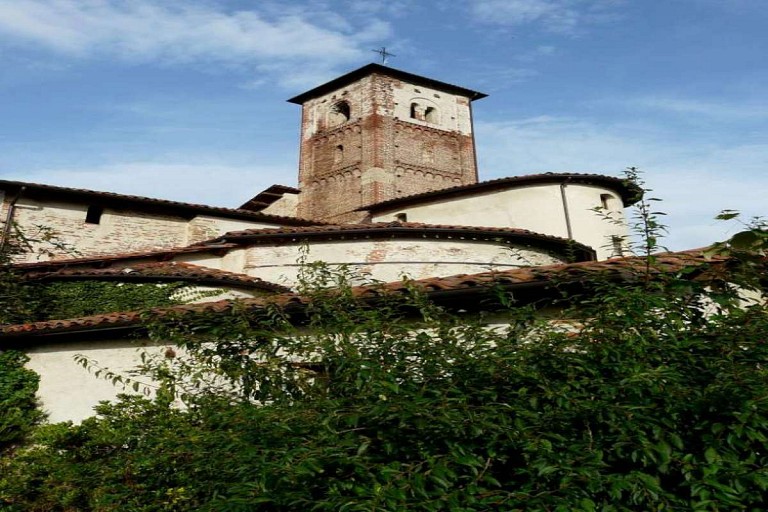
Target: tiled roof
x: 628, y: 191
x: 144, y: 203
x: 157, y: 271
x: 398, y: 230
x: 619, y: 269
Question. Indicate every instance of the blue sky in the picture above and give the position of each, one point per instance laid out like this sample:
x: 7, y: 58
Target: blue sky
x: 186, y: 100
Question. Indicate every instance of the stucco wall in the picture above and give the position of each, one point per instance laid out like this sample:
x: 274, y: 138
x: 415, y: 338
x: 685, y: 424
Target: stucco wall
x: 67, y: 391
x: 537, y: 208
x: 384, y: 260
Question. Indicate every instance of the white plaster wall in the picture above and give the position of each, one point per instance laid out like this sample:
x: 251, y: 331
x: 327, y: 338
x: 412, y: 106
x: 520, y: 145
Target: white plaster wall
x: 384, y: 260
x: 286, y: 206
x: 315, y: 110
x: 453, y: 111
x: 537, y: 208
x: 67, y: 391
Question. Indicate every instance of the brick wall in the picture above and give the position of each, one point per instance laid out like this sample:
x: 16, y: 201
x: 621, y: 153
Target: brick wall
x: 387, y: 148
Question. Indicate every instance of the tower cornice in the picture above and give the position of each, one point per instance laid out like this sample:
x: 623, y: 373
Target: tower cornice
x: 373, y: 68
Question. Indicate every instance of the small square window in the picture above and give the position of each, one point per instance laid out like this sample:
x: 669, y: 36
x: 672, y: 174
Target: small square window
x: 93, y: 216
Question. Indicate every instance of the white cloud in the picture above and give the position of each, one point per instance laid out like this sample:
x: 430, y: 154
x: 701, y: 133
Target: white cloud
x: 561, y: 16
x: 183, y: 32
x: 696, y: 180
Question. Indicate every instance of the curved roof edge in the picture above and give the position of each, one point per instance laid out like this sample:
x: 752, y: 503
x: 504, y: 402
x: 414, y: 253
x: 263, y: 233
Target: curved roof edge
x: 398, y: 229
x: 412, y: 230
x: 629, y: 192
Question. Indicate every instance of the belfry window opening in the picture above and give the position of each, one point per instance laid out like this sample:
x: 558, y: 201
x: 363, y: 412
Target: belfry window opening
x: 430, y: 115
x: 339, y: 113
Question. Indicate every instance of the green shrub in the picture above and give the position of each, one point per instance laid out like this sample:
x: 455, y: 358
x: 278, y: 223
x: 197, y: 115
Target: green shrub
x: 659, y: 402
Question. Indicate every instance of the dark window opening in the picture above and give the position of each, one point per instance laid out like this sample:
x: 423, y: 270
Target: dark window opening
x: 430, y: 115
x: 416, y: 112
x: 605, y: 201
x: 618, y: 245
x: 401, y: 217
x: 340, y: 113
x: 93, y: 215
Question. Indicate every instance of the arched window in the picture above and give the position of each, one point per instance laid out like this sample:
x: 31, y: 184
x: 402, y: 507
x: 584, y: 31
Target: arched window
x: 424, y: 112
x: 339, y: 114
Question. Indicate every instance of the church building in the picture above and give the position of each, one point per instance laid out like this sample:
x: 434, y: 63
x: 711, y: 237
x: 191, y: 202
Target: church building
x: 387, y: 185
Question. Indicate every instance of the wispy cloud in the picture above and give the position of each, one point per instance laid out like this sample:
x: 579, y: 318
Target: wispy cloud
x: 560, y: 16
x: 185, y: 32
x: 700, y: 107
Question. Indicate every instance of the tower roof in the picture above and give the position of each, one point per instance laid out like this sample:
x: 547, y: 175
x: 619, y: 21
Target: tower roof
x: 372, y: 68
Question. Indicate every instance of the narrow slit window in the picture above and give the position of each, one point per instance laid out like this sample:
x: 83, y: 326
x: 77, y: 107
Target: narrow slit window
x: 618, y: 245
x: 605, y: 201
x: 93, y: 215
x: 338, y: 155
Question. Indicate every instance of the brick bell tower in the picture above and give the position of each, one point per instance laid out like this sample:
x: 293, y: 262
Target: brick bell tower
x: 378, y: 133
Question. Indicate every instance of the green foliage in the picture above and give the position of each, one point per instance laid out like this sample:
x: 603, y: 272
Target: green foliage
x: 18, y: 406
x: 658, y: 402
x: 72, y: 299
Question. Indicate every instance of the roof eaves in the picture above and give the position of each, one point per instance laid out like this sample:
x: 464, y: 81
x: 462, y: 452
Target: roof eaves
x: 181, y: 208
x: 629, y: 191
x: 372, y: 68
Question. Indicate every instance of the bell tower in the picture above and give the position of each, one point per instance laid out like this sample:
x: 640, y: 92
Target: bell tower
x: 378, y: 133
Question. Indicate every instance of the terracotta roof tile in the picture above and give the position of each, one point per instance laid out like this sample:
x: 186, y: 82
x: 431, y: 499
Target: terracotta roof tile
x: 618, y: 268
x: 629, y: 192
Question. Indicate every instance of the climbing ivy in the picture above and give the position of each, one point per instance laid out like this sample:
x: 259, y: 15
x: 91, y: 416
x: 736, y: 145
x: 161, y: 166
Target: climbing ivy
x: 18, y: 406
x: 72, y: 299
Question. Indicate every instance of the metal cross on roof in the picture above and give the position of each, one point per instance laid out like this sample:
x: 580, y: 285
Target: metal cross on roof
x: 384, y: 54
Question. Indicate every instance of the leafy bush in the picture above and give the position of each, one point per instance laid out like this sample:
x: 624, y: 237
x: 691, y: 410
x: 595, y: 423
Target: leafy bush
x: 18, y: 406
x: 659, y: 401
